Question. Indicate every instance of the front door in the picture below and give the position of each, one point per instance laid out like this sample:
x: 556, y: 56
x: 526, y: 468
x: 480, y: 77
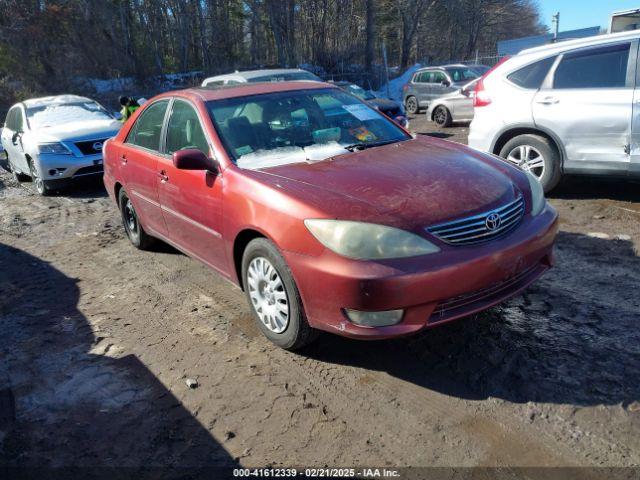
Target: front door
x: 139, y: 166
x: 191, y: 199
x: 437, y: 87
x: 421, y: 88
x: 587, y: 103
x: 12, y: 139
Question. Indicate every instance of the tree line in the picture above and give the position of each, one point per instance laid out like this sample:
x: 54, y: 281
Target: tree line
x: 46, y: 44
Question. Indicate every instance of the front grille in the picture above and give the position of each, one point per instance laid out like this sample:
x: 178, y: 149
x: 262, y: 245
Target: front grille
x: 88, y: 148
x: 464, y: 304
x: 481, y: 228
x: 92, y: 170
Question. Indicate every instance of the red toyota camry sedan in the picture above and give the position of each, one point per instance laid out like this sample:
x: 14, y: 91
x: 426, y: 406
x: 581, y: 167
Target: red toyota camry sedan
x: 326, y: 213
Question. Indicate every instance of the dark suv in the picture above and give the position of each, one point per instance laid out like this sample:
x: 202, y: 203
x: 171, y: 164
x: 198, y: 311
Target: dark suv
x: 433, y: 82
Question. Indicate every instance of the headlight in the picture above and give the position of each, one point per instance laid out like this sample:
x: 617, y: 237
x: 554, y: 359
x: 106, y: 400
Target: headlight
x: 368, y: 241
x: 57, y: 148
x: 537, y: 194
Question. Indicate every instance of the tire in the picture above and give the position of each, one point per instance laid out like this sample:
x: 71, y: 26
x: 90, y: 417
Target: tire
x: 270, y: 289
x: 442, y: 117
x: 138, y: 237
x: 411, y: 105
x: 40, y: 185
x: 541, y: 157
x: 17, y: 176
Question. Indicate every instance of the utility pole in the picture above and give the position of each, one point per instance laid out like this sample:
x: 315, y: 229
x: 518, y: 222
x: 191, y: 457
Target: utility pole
x: 555, y: 19
x: 386, y: 67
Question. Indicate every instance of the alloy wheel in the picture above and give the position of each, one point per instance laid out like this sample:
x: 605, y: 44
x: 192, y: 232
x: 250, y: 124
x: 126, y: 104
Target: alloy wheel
x: 37, y: 180
x: 130, y: 218
x: 528, y: 158
x: 440, y: 116
x: 268, y: 295
x: 411, y: 105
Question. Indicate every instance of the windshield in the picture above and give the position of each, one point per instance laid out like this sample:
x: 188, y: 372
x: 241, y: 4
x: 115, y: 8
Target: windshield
x: 462, y: 74
x: 273, y: 129
x: 359, y: 92
x: 58, y: 114
x: 285, y: 77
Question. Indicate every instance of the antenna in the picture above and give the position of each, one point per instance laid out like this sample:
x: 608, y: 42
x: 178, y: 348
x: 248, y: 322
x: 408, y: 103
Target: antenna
x: 555, y: 19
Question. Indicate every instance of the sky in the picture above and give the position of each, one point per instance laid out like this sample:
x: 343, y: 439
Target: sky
x: 583, y: 13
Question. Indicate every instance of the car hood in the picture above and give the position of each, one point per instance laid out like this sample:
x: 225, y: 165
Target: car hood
x: 78, y: 131
x: 416, y: 182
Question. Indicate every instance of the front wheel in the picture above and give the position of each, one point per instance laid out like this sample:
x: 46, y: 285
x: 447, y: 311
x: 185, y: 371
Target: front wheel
x: 41, y: 186
x: 135, y: 232
x: 537, y: 155
x: 442, y: 117
x: 273, y: 296
x: 411, y: 105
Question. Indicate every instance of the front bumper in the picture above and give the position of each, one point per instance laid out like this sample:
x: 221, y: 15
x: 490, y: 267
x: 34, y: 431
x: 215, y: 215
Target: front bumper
x: 60, y: 168
x: 433, y: 289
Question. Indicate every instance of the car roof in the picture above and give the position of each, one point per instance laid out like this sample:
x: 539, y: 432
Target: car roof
x: 54, y: 100
x: 209, y: 93
x: 580, y: 42
x: 249, y: 74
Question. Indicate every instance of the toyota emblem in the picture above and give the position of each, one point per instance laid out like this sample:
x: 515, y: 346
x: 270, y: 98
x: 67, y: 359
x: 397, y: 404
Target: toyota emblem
x: 97, y: 146
x: 493, y: 221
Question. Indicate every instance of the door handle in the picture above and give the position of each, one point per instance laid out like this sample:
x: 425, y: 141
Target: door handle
x: 163, y: 176
x: 548, y: 101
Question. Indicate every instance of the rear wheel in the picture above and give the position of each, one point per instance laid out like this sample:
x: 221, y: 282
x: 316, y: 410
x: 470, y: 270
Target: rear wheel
x: 442, y: 117
x: 411, y: 105
x: 535, y: 154
x: 273, y: 296
x: 135, y: 232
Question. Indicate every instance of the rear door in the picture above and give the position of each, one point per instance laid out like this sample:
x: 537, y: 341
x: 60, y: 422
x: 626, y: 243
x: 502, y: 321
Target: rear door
x: 191, y: 199
x: 138, y: 163
x: 586, y: 101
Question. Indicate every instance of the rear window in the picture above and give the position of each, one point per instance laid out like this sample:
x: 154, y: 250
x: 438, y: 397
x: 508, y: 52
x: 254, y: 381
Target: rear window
x: 532, y: 76
x: 604, y: 67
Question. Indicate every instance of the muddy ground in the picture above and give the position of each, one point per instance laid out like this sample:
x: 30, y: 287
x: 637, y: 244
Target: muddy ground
x: 97, y: 340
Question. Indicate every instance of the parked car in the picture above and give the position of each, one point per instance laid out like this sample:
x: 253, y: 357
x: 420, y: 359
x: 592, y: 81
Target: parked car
x: 565, y: 108
x: 391, y: 109
x: 265, y: 75
x: 429, y: 83
x: 325, y: 212
x: 456, y: 106
x: 55, y: 140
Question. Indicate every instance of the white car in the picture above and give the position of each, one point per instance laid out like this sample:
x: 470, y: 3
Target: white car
x: 55, y: 140
x: 267, y: 75
x: 565, y: 108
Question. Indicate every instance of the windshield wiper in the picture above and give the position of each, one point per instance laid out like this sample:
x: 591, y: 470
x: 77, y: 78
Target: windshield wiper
x: 362, y: 146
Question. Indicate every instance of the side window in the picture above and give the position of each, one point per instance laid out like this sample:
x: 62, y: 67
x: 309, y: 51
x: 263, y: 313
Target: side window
x: 533, y: 75
x: 604, y: 67
x: 184, y: 129
x: 146, y: 132
x: 9, y: 120
x: 438, y: 77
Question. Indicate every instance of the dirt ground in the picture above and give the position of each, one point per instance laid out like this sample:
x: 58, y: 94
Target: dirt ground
x: 97, y: 340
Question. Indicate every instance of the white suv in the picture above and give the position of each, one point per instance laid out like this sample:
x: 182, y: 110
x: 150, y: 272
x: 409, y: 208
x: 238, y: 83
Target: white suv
x: 571, y: 107
x: 55, y: 140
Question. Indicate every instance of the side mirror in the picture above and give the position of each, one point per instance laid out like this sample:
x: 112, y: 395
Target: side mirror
x: 193, y: 159
x: 465, y: 92
x: 15, y: 137
x: 445, y: 83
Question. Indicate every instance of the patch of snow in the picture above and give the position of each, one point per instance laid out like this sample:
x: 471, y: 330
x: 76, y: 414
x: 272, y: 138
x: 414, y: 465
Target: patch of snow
x: 395, y: 85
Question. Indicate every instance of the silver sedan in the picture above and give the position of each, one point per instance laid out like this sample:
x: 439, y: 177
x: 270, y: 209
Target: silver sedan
x: 456, y: 106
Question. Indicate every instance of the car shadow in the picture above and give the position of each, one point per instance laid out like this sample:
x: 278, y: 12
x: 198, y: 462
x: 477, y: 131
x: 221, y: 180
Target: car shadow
x: 576, y: 188
x: 66, y: 400
x: 571, y: 338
